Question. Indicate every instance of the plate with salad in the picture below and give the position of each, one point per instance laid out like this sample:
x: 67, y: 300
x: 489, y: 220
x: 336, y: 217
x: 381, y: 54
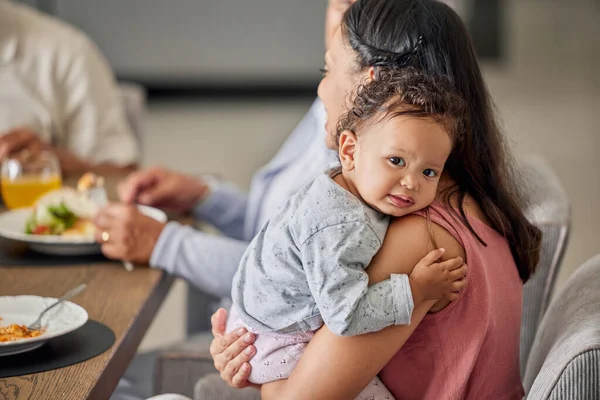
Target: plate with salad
x: 60, y: 223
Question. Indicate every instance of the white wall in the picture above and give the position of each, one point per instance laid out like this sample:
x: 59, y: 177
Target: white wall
x: 206, y: 40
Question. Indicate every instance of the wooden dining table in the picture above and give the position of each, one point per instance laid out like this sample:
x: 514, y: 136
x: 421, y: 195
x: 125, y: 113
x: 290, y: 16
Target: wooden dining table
x: 126, y: 302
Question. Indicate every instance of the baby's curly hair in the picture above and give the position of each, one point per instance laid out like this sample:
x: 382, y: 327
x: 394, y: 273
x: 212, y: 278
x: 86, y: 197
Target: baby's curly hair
x: 406, y: 91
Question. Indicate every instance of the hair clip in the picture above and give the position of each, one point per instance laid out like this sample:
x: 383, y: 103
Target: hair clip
x: 418, y: 45
x: 401, y: 59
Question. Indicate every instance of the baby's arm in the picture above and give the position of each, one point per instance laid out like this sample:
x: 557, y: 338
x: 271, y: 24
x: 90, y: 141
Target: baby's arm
x: 334, y: 260
x: 432, y: 280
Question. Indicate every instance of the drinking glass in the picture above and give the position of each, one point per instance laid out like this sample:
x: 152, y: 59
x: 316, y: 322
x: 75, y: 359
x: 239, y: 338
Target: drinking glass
x: 25, y: 177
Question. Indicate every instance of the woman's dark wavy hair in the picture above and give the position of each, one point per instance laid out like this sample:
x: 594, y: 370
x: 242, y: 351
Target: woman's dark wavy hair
x: 405, y: 91
x: 429, y: 36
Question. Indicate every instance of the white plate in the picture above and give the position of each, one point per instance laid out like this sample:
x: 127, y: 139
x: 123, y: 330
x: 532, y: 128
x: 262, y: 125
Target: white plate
x: 24, y: 310
x: 12, y: 226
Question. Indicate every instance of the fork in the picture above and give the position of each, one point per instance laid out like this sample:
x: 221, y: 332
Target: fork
x: 97, y: 194
x: 37, y: 324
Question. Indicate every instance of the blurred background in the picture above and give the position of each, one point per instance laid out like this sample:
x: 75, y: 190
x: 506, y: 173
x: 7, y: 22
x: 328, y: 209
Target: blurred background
x: 227, y: 81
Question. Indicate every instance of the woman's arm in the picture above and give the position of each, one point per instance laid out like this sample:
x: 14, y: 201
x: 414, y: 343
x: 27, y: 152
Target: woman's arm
x: 334, y: 367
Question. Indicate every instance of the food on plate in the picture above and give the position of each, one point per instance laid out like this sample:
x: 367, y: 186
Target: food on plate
x: 66, y: 211
x: 14, y: 332
x: 88, y: 181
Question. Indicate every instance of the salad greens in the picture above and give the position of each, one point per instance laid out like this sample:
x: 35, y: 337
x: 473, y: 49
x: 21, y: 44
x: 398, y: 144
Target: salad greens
x: 51, y: 220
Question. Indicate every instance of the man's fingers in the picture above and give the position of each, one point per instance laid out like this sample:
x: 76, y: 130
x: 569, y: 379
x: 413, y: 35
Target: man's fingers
x: 157, y: 193
x: 100, y: 235
x: 112, y: 217
x: 103, y: 220
x: 111, y: 250
x: 14, y: 141
x: 135, y: 183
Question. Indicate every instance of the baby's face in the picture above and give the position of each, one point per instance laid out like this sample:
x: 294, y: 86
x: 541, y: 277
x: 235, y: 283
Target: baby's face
x: 398, y: 163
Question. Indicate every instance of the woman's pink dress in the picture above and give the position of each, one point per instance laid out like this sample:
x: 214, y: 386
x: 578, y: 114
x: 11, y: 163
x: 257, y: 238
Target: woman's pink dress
x: 470, y: 350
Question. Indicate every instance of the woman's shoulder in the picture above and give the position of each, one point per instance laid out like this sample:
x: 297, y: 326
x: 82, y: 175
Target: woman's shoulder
x: 406, y: 242
x: 470, y: 206
x: 414, y: 235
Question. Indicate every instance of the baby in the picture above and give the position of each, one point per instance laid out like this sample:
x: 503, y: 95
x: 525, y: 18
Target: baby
x: 305, y: 268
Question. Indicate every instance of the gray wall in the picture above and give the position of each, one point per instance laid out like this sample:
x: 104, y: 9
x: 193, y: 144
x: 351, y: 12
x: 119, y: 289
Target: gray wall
x: 205, y: 41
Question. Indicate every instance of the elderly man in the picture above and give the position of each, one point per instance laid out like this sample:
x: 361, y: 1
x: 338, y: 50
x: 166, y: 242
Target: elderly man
x: 58, y: 93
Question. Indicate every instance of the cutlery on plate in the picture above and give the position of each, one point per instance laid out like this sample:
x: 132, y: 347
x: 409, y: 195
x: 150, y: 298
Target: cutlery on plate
x: 93, y: 187
x: 37, y: 325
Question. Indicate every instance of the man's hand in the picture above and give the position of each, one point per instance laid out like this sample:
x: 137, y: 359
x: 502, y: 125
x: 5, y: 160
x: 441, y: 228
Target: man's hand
x: 127, y: 234
x: 24, y: 139
x: 159, y: 187
x: 18, y: 140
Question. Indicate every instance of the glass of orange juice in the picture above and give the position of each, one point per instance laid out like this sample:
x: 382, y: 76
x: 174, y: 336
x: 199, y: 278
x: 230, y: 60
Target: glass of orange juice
x: 25, y: 177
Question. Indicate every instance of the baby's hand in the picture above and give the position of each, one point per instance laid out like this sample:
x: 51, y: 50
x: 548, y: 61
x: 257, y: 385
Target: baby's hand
x: 431, y: 280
